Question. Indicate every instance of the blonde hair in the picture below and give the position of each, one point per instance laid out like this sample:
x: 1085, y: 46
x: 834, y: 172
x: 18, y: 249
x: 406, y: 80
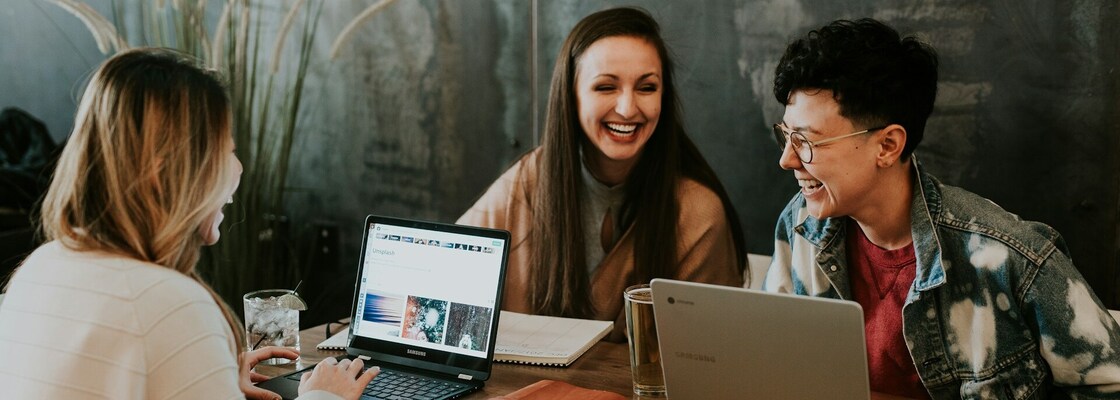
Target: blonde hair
x: 145, y: 165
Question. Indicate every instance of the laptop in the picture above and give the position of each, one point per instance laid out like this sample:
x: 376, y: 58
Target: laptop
x: 720, y: 342
x: 425, y: 308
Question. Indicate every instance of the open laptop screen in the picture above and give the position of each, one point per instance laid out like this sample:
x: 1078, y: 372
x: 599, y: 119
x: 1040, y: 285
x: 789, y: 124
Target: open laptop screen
x: 428, y: 293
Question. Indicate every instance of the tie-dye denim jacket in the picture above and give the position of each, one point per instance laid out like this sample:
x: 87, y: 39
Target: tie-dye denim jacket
x: 996, y: 310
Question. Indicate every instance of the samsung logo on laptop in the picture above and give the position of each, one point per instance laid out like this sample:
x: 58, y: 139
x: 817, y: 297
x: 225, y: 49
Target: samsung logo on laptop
x: 417, y: 352
x: 696, y: 357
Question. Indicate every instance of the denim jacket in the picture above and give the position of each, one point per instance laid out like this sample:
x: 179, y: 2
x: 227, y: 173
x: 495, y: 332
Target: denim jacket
x: 996, y: 309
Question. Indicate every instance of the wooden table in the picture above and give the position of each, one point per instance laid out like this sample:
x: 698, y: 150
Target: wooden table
x: 605, y: 367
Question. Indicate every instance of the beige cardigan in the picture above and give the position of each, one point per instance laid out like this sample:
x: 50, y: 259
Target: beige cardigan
x: 706, y: 250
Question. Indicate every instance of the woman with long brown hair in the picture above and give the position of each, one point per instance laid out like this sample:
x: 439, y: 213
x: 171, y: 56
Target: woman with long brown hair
x: 112, y: 306
x: 616, y: 194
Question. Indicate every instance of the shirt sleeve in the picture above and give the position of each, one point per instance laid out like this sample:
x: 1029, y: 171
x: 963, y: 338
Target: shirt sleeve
x: 1078, y: 337
x: 706, y: 247
x: 495, y: 208
x: 189, y: 354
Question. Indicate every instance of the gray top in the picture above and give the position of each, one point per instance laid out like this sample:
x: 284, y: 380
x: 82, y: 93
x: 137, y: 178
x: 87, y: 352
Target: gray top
x: 595, y: 200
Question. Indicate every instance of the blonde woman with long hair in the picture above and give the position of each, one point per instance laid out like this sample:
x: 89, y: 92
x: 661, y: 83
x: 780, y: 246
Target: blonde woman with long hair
x: 112, y: 306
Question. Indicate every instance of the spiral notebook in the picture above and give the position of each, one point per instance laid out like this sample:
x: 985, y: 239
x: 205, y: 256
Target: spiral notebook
x: 335, y: 342
x: 543, y: 340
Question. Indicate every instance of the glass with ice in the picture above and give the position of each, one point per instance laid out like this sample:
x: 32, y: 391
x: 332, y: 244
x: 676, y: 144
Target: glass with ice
x: 272, y: 319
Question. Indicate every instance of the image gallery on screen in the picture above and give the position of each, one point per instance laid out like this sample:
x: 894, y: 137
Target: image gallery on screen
x: 423, y: 319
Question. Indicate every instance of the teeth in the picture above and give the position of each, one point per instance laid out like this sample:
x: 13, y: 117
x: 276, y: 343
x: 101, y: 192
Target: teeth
x: 623, y: 128
x: 808, y: 183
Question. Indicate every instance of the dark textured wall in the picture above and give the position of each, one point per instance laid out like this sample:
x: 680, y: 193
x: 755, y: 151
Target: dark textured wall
x: 433, y: 99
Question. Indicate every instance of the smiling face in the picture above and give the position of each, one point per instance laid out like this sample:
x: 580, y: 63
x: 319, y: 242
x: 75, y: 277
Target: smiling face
x: 842, y: 177
x: 618, y: 88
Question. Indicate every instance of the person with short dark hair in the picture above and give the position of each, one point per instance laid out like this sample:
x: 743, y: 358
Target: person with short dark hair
x: 616, y: 194
x: 961, y: 298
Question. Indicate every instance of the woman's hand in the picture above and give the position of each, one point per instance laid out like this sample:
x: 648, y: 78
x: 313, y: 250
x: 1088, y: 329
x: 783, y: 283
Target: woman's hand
x: 247, y: 377
x: 339, y: 377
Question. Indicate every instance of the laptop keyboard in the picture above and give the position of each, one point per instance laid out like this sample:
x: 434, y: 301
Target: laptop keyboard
x: 394, y: 385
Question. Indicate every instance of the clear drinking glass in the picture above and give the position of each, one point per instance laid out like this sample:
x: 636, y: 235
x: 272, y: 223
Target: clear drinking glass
x: 641, y: 333
x: 270, y: 321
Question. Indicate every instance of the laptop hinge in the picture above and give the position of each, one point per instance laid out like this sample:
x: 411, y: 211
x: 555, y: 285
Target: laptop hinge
x: 465, y: 377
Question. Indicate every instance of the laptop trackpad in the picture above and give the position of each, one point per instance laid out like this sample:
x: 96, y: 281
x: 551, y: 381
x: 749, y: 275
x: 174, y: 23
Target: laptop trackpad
x: 284, y: 385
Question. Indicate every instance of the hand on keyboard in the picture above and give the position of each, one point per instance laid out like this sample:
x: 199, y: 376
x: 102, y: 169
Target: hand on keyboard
x: 344, y: 378
x: 393, y: 385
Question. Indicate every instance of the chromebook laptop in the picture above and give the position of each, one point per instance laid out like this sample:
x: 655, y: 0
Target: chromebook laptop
x: 721, y: 342
x: 425, y: 307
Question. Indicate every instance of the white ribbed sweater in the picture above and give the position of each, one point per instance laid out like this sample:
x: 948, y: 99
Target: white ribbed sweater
x: 95, y: 325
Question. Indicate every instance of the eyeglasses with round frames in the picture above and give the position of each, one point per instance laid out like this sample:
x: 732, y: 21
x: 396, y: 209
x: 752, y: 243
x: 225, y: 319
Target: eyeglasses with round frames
x: 802, y: 146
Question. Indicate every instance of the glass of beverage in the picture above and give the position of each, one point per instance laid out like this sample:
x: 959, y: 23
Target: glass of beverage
x: 641, y: 333
x: 272, y: 319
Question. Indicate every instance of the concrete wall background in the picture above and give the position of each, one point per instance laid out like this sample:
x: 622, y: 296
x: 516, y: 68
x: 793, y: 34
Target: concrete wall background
x: 431, y: 100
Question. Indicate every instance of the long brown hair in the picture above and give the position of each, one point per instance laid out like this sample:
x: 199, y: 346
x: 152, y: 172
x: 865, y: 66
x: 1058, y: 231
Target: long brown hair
x: 561, y: 285
x: 145, y: 165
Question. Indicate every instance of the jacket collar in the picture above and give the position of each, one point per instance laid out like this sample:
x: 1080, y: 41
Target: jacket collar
x: 925, y: 208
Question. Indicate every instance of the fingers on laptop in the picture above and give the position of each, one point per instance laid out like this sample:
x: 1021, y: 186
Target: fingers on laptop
x: 366, y: 377
x: 353, y: 367
x: 326, y: 363
x: 303, y: 378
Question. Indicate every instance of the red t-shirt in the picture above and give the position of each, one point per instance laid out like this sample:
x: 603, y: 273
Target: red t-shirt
x: 880, y: 281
